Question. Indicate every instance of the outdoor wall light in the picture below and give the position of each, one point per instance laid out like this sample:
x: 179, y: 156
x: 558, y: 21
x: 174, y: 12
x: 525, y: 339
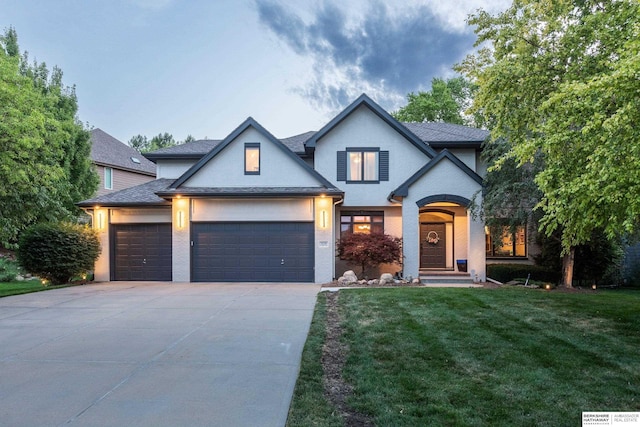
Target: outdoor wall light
x: 323, y: 219
x: 180, y: 219
x: 100, y: 220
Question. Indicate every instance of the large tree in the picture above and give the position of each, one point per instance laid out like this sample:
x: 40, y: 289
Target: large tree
x: 44, y: 162
x: 447, y: 101
x: 560, y: 83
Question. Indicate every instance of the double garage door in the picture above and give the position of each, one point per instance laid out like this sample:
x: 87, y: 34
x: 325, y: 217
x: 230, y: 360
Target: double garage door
x: 252, y: 252
x: 220, y: 252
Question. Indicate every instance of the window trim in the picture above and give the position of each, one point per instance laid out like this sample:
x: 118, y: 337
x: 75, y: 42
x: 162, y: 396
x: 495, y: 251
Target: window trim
x: 108, y: 183
x: 252, y: 145
x: 492, y: 247
x: 363, y: 150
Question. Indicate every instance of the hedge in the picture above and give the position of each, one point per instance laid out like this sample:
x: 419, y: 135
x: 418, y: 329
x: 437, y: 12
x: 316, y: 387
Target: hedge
x: 507, y: 272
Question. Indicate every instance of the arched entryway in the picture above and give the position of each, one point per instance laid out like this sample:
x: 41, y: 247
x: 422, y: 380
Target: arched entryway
x: 443, y: 232
x: 436, y: 239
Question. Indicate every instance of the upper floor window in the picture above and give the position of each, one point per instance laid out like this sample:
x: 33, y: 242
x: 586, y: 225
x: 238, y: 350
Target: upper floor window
x: 108, y: 178
x: 363, y: 165
x: 509, y: 244
x: 252, y: 158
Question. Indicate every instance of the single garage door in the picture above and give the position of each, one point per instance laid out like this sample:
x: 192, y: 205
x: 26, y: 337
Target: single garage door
x: 252, y: 252
x: 141, y: 252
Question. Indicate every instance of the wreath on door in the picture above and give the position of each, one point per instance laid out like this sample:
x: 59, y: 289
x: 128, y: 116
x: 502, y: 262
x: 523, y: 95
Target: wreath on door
x: 433, y: 238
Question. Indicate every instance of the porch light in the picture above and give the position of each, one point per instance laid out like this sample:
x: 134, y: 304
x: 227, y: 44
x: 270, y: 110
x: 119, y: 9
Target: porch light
x: 323, y: 219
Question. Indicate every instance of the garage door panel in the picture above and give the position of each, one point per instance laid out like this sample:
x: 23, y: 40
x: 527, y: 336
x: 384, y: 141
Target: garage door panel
x: 141, y: 252
x: 253, y: 252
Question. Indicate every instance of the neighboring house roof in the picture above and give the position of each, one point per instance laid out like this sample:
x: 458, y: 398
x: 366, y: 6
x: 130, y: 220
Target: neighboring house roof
x: 448, y: 135
x: 108, y: 151
x: 403, y: 190
x: 364, y: 100
x: 191, y: 150
x: 140, y: 195
x: 251, y: 123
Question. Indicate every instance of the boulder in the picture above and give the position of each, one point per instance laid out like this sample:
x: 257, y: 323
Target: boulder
x: 415, y: 281
x: 386, y: 278
x: 351, y: 276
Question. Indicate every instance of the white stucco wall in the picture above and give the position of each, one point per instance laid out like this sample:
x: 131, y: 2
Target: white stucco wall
x: 324, y: 240
x: 467, y: 155
x: 181, y: 240
x: 277, y: 168
x: 101, y: 267
x: 364, y: 129
x: 172, y: 169
x: 253, y: 210
x: 132, y: 216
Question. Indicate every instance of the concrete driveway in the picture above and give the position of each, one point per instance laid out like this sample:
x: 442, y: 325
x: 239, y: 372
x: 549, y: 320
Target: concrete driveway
x: 152, y: 354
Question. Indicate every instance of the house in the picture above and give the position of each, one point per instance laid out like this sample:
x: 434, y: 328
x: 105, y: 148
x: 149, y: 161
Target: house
x: 252, y: 207
x: 118, y: 165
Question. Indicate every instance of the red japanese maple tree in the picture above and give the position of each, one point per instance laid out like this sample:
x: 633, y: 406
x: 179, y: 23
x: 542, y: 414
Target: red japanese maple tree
x: 369, y: 250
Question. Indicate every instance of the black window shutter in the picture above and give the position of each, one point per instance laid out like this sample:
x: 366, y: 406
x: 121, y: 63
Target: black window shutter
x: 342, y: 166
x: 384, y: 166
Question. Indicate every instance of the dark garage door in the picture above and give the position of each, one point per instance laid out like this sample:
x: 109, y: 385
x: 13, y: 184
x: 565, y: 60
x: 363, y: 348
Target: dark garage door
x: 141, y: 252
x: 253, y: 252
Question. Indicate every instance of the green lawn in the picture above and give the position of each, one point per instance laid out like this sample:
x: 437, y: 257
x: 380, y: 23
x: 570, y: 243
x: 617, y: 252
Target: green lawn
x: 15, y: 288
x: 504, y: 357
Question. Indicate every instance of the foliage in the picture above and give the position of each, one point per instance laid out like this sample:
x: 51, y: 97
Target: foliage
x: 369, y: 250
x: 560, y: 82
x: 447, y: 101
x: 597, y: 261
x: 8, y: 270
x: 45, y: 166
x: 58, y: 251
x: 162, y: 140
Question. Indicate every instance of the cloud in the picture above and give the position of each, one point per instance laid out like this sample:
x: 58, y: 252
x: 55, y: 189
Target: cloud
x: 384, y: 51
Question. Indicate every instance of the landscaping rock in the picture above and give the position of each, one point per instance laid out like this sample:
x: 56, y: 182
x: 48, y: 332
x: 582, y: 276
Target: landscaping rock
x: 386, y: 278
x: 350, y: 276
x: 415, y: 281
x: 19, y: 278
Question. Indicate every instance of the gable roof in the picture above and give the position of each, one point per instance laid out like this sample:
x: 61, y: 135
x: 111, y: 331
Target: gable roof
x: 364, y: 100
x: 249, y: 123
x: 448, y: 135
x: 108, y: 151
x: 140, y: 195
x: 403, y: 189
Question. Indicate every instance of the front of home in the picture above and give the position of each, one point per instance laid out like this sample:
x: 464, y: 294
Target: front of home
x: 254, y: 208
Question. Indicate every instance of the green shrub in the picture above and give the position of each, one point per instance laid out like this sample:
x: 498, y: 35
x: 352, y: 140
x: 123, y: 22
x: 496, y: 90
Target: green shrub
x: 57, y: 252
x: 507, y: 272
x: 8, y: 270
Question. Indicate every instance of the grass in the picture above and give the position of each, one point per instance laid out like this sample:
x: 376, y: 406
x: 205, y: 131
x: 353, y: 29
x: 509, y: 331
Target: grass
x: 24, y: 287
x: 477, y: 357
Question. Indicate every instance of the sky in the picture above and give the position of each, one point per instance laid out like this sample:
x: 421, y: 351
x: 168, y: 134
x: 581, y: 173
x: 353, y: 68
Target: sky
x: 201, y: 67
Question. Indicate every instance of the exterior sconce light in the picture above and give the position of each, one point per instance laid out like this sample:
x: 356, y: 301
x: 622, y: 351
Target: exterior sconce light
x: 100, y: 220
x: 323, y: 219
x: 180, y: 219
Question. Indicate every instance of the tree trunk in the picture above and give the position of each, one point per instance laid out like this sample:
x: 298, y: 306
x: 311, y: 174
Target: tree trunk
x: 568, y: 261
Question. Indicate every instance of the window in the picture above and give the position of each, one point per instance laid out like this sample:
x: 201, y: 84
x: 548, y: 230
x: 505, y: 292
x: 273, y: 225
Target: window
x: 361, y: 222
x: 509, y: 244
x: 363, y: 165
x: 252, y: 158
x: 108, y: 178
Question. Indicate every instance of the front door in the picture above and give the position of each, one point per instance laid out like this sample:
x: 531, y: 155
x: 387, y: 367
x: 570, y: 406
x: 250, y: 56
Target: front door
x: 433, y: 245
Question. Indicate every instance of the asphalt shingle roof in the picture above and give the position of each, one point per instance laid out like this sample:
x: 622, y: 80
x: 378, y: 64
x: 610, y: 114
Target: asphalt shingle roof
x: 248, y: 191
x: 431, y: 132
x: 143, y: 194
x: 108, y: 151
